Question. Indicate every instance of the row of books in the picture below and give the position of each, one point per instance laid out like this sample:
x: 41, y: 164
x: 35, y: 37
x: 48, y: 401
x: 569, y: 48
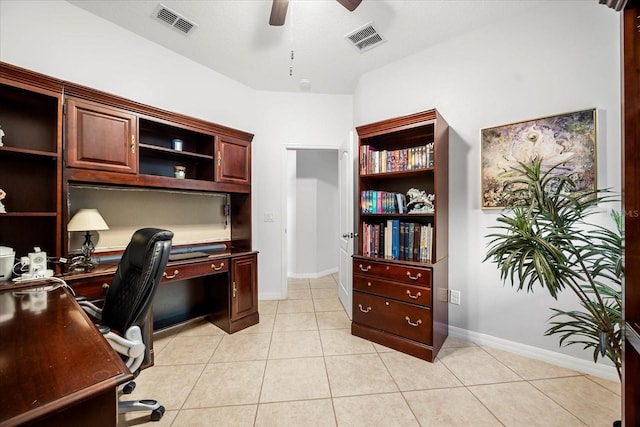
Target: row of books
x: 380, y: 161
x: 378, y: 202
x: 397, y: 239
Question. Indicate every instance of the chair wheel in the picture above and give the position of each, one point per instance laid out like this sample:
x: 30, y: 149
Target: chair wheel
x: 156, y: 414
x: 129, y: 387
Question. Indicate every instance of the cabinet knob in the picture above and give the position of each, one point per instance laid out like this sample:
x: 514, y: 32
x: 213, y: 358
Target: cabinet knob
x: 217, y: 268
x: 166, y: 276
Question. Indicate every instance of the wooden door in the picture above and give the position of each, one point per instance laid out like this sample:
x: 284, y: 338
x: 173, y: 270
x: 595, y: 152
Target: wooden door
x: 101, y: 137
x: 244, y: 286
x: 631, y: 205
x: 233, y: 161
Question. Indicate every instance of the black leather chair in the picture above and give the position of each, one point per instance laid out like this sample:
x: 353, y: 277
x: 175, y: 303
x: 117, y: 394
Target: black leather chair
x: 125, y: 313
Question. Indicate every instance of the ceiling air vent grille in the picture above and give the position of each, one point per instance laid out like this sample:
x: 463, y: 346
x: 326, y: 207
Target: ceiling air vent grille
x: 364, y: 38
x: 175, y: 20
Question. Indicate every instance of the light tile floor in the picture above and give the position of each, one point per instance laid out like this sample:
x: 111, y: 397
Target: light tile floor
x: 302, y: 367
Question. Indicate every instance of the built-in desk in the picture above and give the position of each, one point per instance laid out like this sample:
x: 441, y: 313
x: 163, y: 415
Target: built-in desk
x: 222, y: 287
x: 56, y: 368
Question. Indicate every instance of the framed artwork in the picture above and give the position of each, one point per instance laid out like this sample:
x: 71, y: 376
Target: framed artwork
x: 567, y: 139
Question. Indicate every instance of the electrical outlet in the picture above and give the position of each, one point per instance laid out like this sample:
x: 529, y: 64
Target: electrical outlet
x: 455, y: 297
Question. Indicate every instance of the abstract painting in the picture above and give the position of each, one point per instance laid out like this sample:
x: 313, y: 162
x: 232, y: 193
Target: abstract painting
x: 567, y: 140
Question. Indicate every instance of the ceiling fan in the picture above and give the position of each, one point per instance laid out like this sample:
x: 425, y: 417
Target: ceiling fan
x: 279, y: 9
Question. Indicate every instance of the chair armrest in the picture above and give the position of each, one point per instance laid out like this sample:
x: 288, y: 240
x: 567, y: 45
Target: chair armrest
x: 93, y: 310
x: 131, y: 346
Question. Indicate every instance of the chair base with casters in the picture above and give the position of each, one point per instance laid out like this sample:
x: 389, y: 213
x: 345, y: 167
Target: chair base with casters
x: 124, y: 314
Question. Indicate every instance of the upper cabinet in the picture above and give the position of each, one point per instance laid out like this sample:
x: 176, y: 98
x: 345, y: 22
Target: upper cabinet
x: 233, y: 161
x: 117, y: 141
x: 100, y: 137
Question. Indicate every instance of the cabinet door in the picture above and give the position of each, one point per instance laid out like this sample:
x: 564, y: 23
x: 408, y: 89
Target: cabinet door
x: 233, y: 161
x: 101, y: 137
x: 244, y: 286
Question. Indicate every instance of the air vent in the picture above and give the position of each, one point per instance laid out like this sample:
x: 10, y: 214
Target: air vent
x: 364, y: 38
x: 164, y: 14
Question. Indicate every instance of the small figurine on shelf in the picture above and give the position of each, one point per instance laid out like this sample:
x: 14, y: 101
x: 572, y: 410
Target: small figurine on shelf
x: 429, y: 155
x: 420, y: 201
x: 2, y: 196
x: 1, y: 135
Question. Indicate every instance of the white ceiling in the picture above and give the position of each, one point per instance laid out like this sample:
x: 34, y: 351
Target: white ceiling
x: 234, y: 37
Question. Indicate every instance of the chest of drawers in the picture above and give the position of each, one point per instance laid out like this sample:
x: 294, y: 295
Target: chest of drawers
x: 393, y: 305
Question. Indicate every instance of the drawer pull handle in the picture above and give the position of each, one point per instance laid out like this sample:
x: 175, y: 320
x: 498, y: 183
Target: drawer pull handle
x: 368, y: 309
x: 365, y: 269
x: 418, y: 322
x: 105, y: 286
x: 418, y: 295
x: 413, y: 277
x: 217, y: 268
x: 166, y: 276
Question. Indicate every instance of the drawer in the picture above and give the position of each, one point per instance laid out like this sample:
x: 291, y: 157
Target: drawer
x: 399, y: 318
x: 92, y: 289
x: 405, y: 292
x: 186, y: 271
x: 398, y: 272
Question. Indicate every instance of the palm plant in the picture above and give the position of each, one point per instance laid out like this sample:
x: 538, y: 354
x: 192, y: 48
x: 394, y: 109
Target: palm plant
x: 544, y: 238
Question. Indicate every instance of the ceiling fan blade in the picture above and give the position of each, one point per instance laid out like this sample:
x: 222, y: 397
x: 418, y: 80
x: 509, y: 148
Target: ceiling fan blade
x: 351, y: 5
x: 278, y: 12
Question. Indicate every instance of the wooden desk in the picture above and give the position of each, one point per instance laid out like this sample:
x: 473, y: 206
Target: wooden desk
x: 56, y: 369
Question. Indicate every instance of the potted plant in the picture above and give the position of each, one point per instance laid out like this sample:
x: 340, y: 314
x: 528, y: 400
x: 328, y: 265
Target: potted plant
x: 544, y: 238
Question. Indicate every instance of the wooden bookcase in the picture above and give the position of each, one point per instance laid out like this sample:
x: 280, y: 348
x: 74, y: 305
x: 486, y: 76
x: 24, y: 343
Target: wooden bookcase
x: 30, y: 161
x: 400, y: 295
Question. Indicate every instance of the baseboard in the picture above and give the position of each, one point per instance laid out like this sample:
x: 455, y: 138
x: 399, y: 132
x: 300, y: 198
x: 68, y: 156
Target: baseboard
x: 597, y: 369
x: 316, y: 275
x: 269, y: 296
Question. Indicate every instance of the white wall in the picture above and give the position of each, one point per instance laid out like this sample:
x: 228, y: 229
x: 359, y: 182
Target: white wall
x: 302, y: 120
x: 61, y: 40
x: 562, y: 56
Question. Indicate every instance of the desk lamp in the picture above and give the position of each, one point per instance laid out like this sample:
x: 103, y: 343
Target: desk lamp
x: 87, y: 220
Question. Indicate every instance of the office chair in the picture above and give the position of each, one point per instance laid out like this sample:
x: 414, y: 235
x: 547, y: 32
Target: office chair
x: 124, y: 315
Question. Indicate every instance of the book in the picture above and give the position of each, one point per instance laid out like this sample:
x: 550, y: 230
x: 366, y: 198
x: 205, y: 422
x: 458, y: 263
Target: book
x: 395, y: 239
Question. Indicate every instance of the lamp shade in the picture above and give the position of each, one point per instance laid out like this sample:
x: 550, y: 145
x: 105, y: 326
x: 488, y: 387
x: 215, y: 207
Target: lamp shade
x: 87, y: 220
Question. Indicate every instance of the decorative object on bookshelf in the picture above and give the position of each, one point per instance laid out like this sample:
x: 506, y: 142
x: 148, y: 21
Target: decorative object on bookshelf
x: 568, y: 140
x: 177, y: 144
x: 429, y: 155
x: 1, y: 136
x: 3, y: 194
x: 420, y: 201
x: 180, y: 172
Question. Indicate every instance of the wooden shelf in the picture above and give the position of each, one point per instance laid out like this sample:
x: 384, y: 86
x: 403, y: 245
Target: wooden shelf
x: 396, y: 174
x: 174, y: 153
x: 29, y: 214
x: 23, y: 152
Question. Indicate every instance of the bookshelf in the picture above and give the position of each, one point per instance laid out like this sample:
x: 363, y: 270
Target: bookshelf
x: 400, y: 265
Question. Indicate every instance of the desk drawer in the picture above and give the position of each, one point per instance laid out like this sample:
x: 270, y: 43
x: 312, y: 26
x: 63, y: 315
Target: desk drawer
x: 398, y: 272
x: 187, y: 271
x: 92, y: 289
x: 406, y: 320
x: 420, y: 295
